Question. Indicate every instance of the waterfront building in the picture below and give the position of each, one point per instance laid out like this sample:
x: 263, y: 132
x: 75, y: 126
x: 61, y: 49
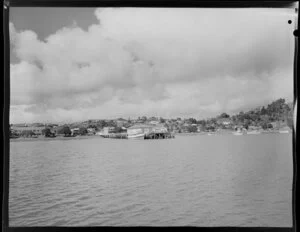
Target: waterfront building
x: 91, y: 131
x: 108, y: 130
x: 139, y: 130
x: 159, y: 128
x: 75, y: 131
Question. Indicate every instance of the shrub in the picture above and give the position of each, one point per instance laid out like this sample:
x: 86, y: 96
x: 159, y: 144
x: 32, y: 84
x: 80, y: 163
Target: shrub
x: 27, y: 133
x: 65, y: 130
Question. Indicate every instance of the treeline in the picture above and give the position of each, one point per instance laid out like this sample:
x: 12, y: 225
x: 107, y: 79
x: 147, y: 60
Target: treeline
x: 277, y: 113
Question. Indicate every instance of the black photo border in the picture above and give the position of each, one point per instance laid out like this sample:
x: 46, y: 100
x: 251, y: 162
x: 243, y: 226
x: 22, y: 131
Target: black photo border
x: 135, y: 3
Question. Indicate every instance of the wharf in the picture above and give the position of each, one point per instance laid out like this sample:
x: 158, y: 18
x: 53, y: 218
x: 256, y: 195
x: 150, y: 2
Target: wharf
x: 159, y: 135
x: 152, y: 135
x: 115, y: 136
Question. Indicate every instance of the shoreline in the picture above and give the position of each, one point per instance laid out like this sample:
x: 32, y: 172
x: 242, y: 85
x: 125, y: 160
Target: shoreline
x: 42, y: 138
x: 225, y: 132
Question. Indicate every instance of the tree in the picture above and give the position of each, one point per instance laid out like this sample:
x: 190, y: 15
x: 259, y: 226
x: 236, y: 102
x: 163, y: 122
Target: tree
x: 111, y: 123
x: 192, y: 120
x: 264, y: 125
x: 234, y: 118
x: 47, y: 132
x: 27, y: 133
x: 224, y: 115
x: 82, y: 131
x: 246, y: 123
x: 210, y: 128
x: 192, y: 129
x: 101, y: 124
x: 270, y: 126
x: 92, y: 126
x: 201, y: 122
x: 211, y: 121
x: 161, y: 120
x: 202, y: 127
x: 65, y: 130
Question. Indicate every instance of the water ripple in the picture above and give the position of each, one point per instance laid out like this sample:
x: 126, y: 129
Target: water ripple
x: 191, y: 180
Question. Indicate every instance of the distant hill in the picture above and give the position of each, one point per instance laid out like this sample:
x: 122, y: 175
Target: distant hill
x: 276, y: 114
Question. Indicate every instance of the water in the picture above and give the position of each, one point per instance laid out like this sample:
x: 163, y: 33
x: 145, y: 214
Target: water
x: 221, y: 180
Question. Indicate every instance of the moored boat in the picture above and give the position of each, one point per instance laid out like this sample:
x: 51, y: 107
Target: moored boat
x: 254, y: 132
x: 237, y: 133
x: 136, y: 136
x: 283, y: 131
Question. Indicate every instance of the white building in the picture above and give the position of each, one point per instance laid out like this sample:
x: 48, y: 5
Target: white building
x: 108, y: 130
x: 139, y: 130
x: 74, y: 131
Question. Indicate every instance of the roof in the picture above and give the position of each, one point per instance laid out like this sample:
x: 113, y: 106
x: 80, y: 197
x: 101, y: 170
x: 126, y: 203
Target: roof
x: 154, y: 122
x: 136, y: 126
x: 121, y: 119
x: 223, y: 120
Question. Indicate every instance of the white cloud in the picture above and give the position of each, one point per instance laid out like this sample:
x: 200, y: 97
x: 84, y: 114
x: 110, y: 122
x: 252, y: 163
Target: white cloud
x: 164, y: 62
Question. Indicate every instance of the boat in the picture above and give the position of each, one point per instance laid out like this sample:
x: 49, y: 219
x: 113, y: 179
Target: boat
x: 136, y: 136
x: 254, y: 132
x: 283, y: 131
x: 237, y: 133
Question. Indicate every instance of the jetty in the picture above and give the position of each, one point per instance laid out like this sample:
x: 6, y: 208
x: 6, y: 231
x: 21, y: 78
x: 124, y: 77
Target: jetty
x: 115, y: 135
x: 149, y: 131
x: 153, y: 135
x: 139, y: 131
x: 159, y: 135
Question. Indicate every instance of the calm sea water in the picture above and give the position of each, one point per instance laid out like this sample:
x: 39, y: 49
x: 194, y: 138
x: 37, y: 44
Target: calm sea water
x: 199, y: 180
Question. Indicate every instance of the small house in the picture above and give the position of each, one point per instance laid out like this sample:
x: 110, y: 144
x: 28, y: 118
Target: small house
x: 91, y: 131
x: 74, y: 131
x: 139, y: 129
x: 108, y: 130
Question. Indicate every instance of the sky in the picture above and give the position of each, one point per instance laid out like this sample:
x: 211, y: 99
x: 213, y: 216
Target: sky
x: 76, y: 64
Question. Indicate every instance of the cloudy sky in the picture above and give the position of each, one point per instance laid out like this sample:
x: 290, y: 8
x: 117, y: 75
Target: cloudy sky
x: 72, y: 64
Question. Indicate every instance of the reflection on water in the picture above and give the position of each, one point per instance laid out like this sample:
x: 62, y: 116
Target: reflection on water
x: 199, y: 180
